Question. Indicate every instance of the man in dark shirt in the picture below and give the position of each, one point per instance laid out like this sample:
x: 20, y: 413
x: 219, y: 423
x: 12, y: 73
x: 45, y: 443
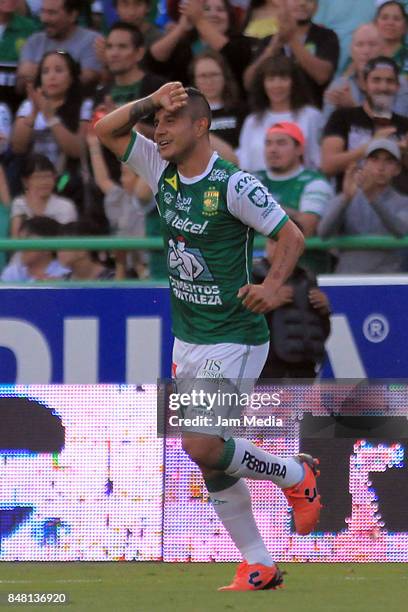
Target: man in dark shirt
x: 349, y: 130
x: 315, y: 48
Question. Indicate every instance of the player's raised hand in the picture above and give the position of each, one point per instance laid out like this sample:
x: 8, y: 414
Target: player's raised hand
x: 259, y: 299
x: 171, y: 96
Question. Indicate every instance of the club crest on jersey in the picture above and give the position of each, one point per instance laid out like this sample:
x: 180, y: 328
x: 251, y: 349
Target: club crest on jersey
x: 210, y: 202
x: 172, y: 181
x: 259, y: 196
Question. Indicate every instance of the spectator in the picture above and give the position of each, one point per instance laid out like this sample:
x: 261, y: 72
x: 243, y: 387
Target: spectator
x: 4, y: 212
x: 82, y: 264
x: 59, y: 18
x: 349, y: 90
x: 126, y: 205
x: 304, y: 194
x: 5, y: 127
x: 135, y: 13
x: 344, y: 18
x: 34, y: 265
x: 213, y: 77
x: 123, y: 54
x: 314, y: 48
x: 201, y: 25
x: 39, y: 200
x: 368, y: 204
x: 262, y: 18
x: 391, y: 21
x: 299, y: 325
x: 53, y: 120
x: 14, y: 31
x: 278, y: 95
x: 128, y: 80
x: 349, y: 130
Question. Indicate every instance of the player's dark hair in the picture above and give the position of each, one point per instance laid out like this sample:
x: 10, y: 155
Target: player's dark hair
x: 278, y: 66
x: 379, y: 62
x: 135, y: 34
x: 41, y: 226
x: 198, y: 104
x: 36, y: 162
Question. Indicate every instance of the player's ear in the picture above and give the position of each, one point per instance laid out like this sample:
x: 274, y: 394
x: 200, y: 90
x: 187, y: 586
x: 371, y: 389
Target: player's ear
x: 201, y: 125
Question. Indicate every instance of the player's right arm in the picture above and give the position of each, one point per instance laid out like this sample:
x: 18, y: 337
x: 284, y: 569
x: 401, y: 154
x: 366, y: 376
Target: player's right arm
x: 115, y: 129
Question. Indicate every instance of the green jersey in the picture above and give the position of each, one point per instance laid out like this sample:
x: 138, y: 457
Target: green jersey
x: 305, y: 191
x: 208, y: 224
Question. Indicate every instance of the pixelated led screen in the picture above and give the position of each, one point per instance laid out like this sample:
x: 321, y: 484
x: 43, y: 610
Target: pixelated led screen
x: 83, y: 476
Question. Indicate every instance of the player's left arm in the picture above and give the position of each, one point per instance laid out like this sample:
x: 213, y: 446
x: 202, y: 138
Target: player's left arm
x: 289, y: 247
x: 250, y: 201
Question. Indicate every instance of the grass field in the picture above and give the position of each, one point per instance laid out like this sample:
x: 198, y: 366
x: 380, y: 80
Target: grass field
x: 164, y: 587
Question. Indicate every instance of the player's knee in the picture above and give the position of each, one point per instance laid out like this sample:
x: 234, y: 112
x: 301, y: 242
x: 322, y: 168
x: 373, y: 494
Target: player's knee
x: 200, y: 450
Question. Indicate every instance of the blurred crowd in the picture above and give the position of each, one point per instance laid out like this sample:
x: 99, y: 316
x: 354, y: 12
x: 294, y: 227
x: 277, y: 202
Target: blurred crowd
x: 311, y: 96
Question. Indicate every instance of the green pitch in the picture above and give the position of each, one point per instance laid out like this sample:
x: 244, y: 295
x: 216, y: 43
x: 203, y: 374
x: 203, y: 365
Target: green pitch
x: 192, y: 587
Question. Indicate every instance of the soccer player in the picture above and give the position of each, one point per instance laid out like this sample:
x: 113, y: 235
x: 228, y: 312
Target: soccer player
x: 209, y: 210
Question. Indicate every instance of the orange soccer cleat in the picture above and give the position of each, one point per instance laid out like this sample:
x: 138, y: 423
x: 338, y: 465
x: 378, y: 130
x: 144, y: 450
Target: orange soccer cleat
x: 304, y: 497
x: 255, y: 577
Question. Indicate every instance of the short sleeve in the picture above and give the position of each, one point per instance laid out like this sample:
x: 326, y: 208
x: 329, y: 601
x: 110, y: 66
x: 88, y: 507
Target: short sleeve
x: 316, y: 196
x: 143, y: 157
x: 31, y: 50
x: 18, y: 207
x: 251, y: 203
x: 329, y: 47
x: 336, y: 125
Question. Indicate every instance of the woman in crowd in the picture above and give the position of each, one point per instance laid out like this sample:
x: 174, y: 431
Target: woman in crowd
x: 53, y: 119
x: 213, y: 77
x: 278, y: 94
x: 201, y: 25
x: 39, y: 178
x: 83, y: 264
x: 391, y: 21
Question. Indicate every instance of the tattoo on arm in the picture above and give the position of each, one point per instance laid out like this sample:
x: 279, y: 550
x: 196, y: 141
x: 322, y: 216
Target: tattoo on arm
x: 137, y: 111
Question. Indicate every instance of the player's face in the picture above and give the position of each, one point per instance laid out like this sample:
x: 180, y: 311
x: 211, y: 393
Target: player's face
x: 281, y: 152
x: 302, y: 10
x: 132, y: 11
x: 121, y: 55
x: 382, y: 167
x: 174, y: 134
x: 209, y: 79
x: 381, y: 81
x: 277, y: 88
x: 366, y: 45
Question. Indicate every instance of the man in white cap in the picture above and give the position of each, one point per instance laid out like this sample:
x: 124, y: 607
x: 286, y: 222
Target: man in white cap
x: 368, y: 204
